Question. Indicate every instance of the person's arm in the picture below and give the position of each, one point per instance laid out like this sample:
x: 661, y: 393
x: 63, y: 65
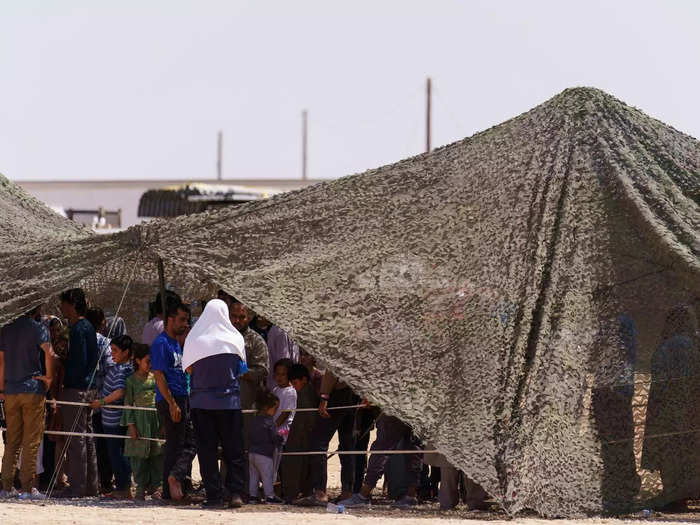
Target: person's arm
x: 277, y: 438
x: 2, y: 374
x: 162, y: 384
x: 159, y: 362
x: 81, y: 346
x: 49, y: 363
x: 119, y: 381
x: 327, y: 384
x: 108, y: 400
x: 288, y: 406
x: 128, y: 416
x: 257, y: 359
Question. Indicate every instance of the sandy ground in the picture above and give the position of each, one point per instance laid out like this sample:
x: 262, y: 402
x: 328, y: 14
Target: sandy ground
x: 104, y: 512
x: 131, y: 513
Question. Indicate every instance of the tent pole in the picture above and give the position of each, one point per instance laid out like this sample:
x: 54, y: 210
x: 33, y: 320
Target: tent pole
x: 161, y: 278
x: 428, y: 86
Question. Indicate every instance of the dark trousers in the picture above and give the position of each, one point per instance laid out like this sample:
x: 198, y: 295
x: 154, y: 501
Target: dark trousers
x: 225, y: 428
x: 180, y: 443
x: 82, y: 458
x: 104, y: 467
x: 119, y: 464
x: 343, y: 422
x: 391, y: 431
x: 364, y: 420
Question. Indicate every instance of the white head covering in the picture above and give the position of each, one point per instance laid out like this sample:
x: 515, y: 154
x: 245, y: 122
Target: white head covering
x: 212, y: 334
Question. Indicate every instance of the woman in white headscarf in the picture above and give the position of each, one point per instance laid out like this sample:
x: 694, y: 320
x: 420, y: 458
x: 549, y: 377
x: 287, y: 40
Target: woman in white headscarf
x: 214, y: 354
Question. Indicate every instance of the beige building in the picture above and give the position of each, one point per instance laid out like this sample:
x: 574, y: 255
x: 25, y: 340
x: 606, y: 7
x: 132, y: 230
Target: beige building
x: 124, y: 195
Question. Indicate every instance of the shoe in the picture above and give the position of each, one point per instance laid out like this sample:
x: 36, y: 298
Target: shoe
x: 252, y: 500
x: 346, y: 494
x: 236, y: 502
x: 7, y: 494
x: 32, y: 494
x: 119, y: 494
x: 140, y: 495
x: 175, y: 487
x: 405, y: 502
x: 214, y: 504
x: 273, y: 499
x: 480, y: 505
x: 310, y: 501
x: 65, y: 494
x: 356, y: 501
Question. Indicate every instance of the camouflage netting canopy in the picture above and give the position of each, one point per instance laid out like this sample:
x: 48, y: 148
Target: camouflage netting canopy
x: 525, y: 298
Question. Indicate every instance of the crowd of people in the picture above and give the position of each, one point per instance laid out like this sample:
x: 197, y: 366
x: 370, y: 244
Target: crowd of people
x: 226, y: 386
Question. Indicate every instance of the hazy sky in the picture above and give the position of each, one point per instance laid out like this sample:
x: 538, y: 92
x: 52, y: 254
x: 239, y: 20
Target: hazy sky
x: 138, y: 89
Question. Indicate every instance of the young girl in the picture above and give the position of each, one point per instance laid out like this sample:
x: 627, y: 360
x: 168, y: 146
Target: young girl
x: 264, y: 440
x: 146, y: 456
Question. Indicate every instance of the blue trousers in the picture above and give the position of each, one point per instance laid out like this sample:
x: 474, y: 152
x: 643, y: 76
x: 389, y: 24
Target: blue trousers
x: 120, y: 464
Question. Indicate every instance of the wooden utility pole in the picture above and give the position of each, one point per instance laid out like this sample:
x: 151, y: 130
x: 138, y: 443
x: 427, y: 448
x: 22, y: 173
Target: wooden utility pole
x: 427, y: 115
x: 219, y: 155
x: 161, y: 282
x: 304, y: 143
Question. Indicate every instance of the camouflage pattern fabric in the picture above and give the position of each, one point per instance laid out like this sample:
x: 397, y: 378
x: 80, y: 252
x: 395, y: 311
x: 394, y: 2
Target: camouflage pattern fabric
x: 504, y: 295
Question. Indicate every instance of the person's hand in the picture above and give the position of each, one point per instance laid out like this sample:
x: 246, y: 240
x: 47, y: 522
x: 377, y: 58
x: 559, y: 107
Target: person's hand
x: 95, y: 404
x: 365, y: 403
x: 54, y: 407
x: 175, y: 412
x: 133, y: 433
x: 44, y: 379
x: 323, y: 409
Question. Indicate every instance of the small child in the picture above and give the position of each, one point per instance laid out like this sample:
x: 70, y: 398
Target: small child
x: 264, y: 441
x: 146, y: 456
x: 284, y: 416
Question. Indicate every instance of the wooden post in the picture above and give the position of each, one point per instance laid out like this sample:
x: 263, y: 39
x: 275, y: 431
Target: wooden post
x: 163, y: 302
x: 304, y: 143
x: 427, y: 115
x: 219, y: 155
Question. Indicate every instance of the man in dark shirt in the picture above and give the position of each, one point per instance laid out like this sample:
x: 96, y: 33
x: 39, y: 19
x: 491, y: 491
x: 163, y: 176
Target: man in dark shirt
x: 78, y: 385
x: 23, y: 387
x: 172, y: 402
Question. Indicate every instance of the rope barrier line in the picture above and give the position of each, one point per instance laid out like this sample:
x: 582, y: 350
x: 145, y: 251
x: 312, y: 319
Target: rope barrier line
x: 151, y: 409
x: 359, y: 452
x: 304, y: 453
x: 665, y: 434
x: 93, y: 435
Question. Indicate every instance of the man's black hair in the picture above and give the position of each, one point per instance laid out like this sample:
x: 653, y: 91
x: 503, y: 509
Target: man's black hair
x: 298, y: 371
x: 96, y: 316
x: 172, y: 308
x: 285, y: 362
x: 75, y: 297
x: 124, y: 342
x: 265, y: 399
x: 170, y: 298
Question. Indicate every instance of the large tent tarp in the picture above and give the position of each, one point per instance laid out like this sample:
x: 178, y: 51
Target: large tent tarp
x: 508, y: 295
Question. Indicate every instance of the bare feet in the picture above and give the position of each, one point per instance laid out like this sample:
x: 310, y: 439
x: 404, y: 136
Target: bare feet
x: 175, y: 488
